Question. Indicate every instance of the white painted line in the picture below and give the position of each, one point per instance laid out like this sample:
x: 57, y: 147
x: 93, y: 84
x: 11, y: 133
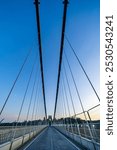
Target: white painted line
x: 35, y: 139
x: 68, y: 140
x: 51, y: 143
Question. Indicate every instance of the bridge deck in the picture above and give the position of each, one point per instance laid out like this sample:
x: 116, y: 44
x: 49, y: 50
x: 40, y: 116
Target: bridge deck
x: 50, y: 139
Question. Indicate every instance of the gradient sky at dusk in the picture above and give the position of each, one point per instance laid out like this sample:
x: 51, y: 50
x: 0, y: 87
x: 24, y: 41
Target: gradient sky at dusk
x: 18, y: 33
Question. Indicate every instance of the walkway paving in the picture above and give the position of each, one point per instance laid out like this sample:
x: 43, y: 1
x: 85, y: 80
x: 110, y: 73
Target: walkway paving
x: 50, y: 139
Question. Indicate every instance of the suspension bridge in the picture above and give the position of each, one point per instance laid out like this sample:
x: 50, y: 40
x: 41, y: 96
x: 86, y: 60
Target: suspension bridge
x: 72, y: 126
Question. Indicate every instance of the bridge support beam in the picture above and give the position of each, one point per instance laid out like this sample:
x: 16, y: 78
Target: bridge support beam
x: 61, y: 52
x: 40, y: 52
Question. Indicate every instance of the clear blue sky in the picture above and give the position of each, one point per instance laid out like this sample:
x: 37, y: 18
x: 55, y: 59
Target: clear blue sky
x: 18, y: 33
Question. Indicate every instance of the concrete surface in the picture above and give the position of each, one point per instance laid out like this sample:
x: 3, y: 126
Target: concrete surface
x: 50, y: 139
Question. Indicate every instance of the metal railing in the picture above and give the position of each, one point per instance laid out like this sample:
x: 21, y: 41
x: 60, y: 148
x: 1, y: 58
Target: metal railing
x: 7, y: 133
x: 88, y: 127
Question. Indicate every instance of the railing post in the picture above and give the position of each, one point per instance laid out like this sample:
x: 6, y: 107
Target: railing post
x: 78, y: 129
x: 94, y: 133
x: 91, y: 133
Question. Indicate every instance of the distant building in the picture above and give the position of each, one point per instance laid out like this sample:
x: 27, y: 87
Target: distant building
x: 50, y: 120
